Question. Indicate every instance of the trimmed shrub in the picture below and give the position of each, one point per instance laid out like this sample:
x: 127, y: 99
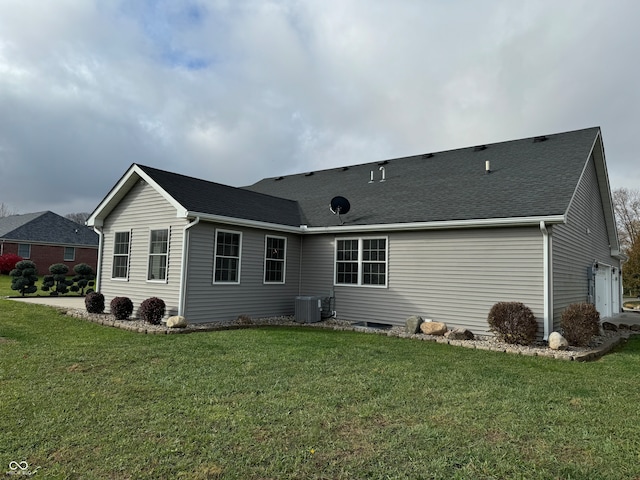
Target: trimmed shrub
x: 94, y: 302
x: 56, y: 283
x: 152, y: 310
x: 580, y: 322
x: 83, y: 279
x: 121, y: 308
x: 8, y: 262
x: 24, y: 277
x: 513, y: 322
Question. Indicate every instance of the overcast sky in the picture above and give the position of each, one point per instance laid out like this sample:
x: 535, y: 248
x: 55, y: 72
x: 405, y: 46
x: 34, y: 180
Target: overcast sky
x: 233, y: 91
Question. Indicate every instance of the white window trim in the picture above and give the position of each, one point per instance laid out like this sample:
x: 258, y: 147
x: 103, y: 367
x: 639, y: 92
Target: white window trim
x: 64, y: 256
x: 23, y: 257
x: 284, y: 261
x: 215, y: 256
x: 113, y: 256
x: 360, y: 241
x: 149, y: 254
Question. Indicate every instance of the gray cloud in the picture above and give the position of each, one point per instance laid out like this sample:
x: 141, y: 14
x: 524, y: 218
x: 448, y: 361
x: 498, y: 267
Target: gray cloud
x: 236, y: 91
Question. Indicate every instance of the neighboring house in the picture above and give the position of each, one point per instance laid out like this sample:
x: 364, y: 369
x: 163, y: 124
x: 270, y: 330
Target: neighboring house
x: 46, y: 238
x: 443, y: 235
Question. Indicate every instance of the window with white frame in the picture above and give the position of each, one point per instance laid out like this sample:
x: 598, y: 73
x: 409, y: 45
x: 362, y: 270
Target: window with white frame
x: 69, y: 254
x: 361, y: 261
x: 24, y: 250
x: 274, y: 259
x: 158, y: 255
x: 227, y: 257
x: 120, y: 267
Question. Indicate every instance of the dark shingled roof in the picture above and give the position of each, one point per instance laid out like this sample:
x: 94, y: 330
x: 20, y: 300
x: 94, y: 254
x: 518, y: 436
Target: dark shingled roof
x: 529, y: 177
x: 46, y: 227
x: 211, y: 198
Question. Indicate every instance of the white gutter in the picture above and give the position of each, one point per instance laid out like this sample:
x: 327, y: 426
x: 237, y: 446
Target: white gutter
x: 100, y: 233
x: 548, y: 280
x: 185, y: 263
x: 440, y: 225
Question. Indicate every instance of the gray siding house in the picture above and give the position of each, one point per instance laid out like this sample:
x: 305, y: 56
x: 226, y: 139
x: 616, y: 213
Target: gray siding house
x: 443, y: 235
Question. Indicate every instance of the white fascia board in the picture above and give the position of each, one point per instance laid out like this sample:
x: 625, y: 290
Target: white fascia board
x: 443, y: 225
x: 241, y: 222
x: 123, y: 186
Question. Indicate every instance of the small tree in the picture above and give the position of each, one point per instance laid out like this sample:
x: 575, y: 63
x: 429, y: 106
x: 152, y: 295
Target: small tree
x: 8, y: 262
x: 83, y: 279
x: 24, y: 277
x: 57, y: 282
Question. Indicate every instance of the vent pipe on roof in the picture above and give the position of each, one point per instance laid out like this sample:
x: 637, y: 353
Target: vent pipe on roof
x: 487, y: 167
x: 383, y: 179
x: 371, y: 181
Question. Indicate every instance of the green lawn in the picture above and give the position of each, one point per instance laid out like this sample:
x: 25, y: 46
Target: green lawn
x: 83, y: 401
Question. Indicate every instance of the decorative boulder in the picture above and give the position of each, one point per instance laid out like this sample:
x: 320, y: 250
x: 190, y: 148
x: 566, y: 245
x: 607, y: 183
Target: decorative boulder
x: 433, y: 328
x: 177, y: 321
x: 412, y: 325
x: 609, y: 326
x: 459, y: 334
x: 557, y: 342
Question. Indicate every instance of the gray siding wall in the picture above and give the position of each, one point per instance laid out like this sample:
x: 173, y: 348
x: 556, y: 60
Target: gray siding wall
x: 142, y: 210
x: 210, y: 302
x: 578, y: 243
x: 453, y: 276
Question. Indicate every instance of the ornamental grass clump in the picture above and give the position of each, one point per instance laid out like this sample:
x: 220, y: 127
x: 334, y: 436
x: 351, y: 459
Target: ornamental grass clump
x: 94, y: 302
x: 580, y: 322
x: 121, y: 308
x: 152, y: 310
x: 513, y: 322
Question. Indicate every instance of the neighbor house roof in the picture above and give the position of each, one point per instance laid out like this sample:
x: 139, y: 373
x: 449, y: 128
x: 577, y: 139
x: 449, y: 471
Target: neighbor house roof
x: 531, y: 177
x: 46, y: 227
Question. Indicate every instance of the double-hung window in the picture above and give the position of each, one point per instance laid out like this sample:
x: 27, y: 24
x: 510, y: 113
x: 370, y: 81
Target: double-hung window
x: 361, y: 261
x: 120, y: 267
x: 227, y: 257
x: 69, y: 254
x: 24, y: 250
x: 158, y: 255
x: 274, y: 259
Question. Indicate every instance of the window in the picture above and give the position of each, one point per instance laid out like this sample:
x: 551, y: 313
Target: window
x: 158, y: 253
x: 69, y: 254
x: 121, y: 255
x: 227, y: 257
x: 24, y: 250
x: 361, y: 261
x: 274, y: 259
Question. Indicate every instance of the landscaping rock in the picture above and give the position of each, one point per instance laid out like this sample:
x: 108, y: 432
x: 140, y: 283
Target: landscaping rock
x: 459, y: 334
x: 609, y: 326
x: 635, y: 328
x: 623, y: 326
x: 433, y: 328
x: 557, y: 342
x: 177, y: 321
x: 412, y: 325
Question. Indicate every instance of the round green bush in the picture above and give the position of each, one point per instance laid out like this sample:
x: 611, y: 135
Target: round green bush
x: 580, y: 322
x: 152, y: 310
x: 121, y: 308
x: 513, y: 322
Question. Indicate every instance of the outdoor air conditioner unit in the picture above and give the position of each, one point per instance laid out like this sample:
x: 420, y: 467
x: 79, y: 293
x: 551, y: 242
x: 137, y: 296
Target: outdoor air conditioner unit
x: 308, y: 309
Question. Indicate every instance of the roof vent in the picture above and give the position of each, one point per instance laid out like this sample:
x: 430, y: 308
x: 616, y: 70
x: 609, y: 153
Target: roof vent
x: 344, y: 169
x: 308, y: 174
x: 487, y: 167
x: 427, y: 155
x: 479, y: 148
x: 279, y: 178
x: 542, y: 138
x: 383, y: 163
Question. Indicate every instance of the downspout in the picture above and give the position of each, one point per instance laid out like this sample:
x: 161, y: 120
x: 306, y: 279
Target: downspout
x: 100, y: 233
x: 183, y: 271
x: 548, y: 280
